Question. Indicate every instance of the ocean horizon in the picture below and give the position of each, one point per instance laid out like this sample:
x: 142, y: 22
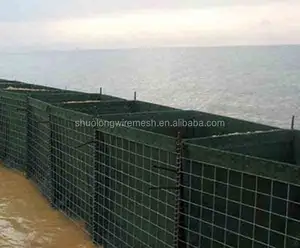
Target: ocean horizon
x: 256, y: 83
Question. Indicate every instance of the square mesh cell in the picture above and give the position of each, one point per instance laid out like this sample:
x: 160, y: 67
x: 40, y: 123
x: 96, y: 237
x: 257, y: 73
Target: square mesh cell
x: 39, y: 146
x: 236, y: 201
x: 13, y: 130
x: 123, y: 182
x: 135, y: 202
x: 72, y: 168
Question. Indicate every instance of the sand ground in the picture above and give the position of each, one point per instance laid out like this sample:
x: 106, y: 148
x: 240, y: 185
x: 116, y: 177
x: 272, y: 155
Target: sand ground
x: 27, y: 220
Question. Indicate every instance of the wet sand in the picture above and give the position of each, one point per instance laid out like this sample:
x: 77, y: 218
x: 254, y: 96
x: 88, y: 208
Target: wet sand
x: 27, y: 220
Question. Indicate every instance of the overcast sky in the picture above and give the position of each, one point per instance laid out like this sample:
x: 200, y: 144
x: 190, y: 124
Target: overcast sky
x: 69, y: 24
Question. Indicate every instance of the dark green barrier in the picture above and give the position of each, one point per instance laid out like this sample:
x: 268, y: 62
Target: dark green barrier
x: 297, y: 147
x: 275, y: 145
x: 72, y: 156
x: 20, y: 87
x: 239, y: 201
x: 67, y: 96
x: 136, y: 189
x: 194, y: 124
x: 124, y: 183
x: 37, y: 91
x: 114, y: 107
x: 4, y: 85
x: 3, y: 129
x: 13, y: 129
x: 39, y: 146
x: 128, y: 208
x: 4, y: 81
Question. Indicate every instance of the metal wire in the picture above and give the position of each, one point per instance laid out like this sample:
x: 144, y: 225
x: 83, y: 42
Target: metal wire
x: 13, y: 128
x: 124, y: 191
x: 133, y: 206
x: 229, y: 208
x: 131, y: 192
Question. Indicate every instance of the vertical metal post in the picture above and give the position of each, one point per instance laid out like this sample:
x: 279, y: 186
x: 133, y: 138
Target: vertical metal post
x: 179, y: 235
x: 100, y: 90
x: 134, y: 96
x: 293, y: 122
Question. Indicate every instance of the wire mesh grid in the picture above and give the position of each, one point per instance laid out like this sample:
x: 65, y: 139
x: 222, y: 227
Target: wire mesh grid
x: 123, y: 190
x: 62, y: 172
x: 72, y: 170
x: 131, y: 192
x: 81, y: 174
x: 135, y: 193
x: 230, y: 208
x: 38, y: 167
x: 13, y: 130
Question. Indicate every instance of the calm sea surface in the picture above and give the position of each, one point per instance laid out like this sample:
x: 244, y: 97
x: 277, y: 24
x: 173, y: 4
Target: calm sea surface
x: 254, y: 83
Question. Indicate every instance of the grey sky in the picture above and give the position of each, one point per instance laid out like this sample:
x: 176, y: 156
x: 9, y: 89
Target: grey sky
x: 63, y: 23
x: 28, y: 10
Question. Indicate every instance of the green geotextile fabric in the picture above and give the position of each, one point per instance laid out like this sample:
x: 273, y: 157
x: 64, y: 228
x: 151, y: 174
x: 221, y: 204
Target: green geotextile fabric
x: 235, y: 185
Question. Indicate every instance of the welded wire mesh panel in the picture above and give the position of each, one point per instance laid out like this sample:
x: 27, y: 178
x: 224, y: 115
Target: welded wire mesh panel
x: 39, y: 146
x: 229, y: 207
x: 13, y: 130
x: 135, y: 197
x: 72, y: 165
